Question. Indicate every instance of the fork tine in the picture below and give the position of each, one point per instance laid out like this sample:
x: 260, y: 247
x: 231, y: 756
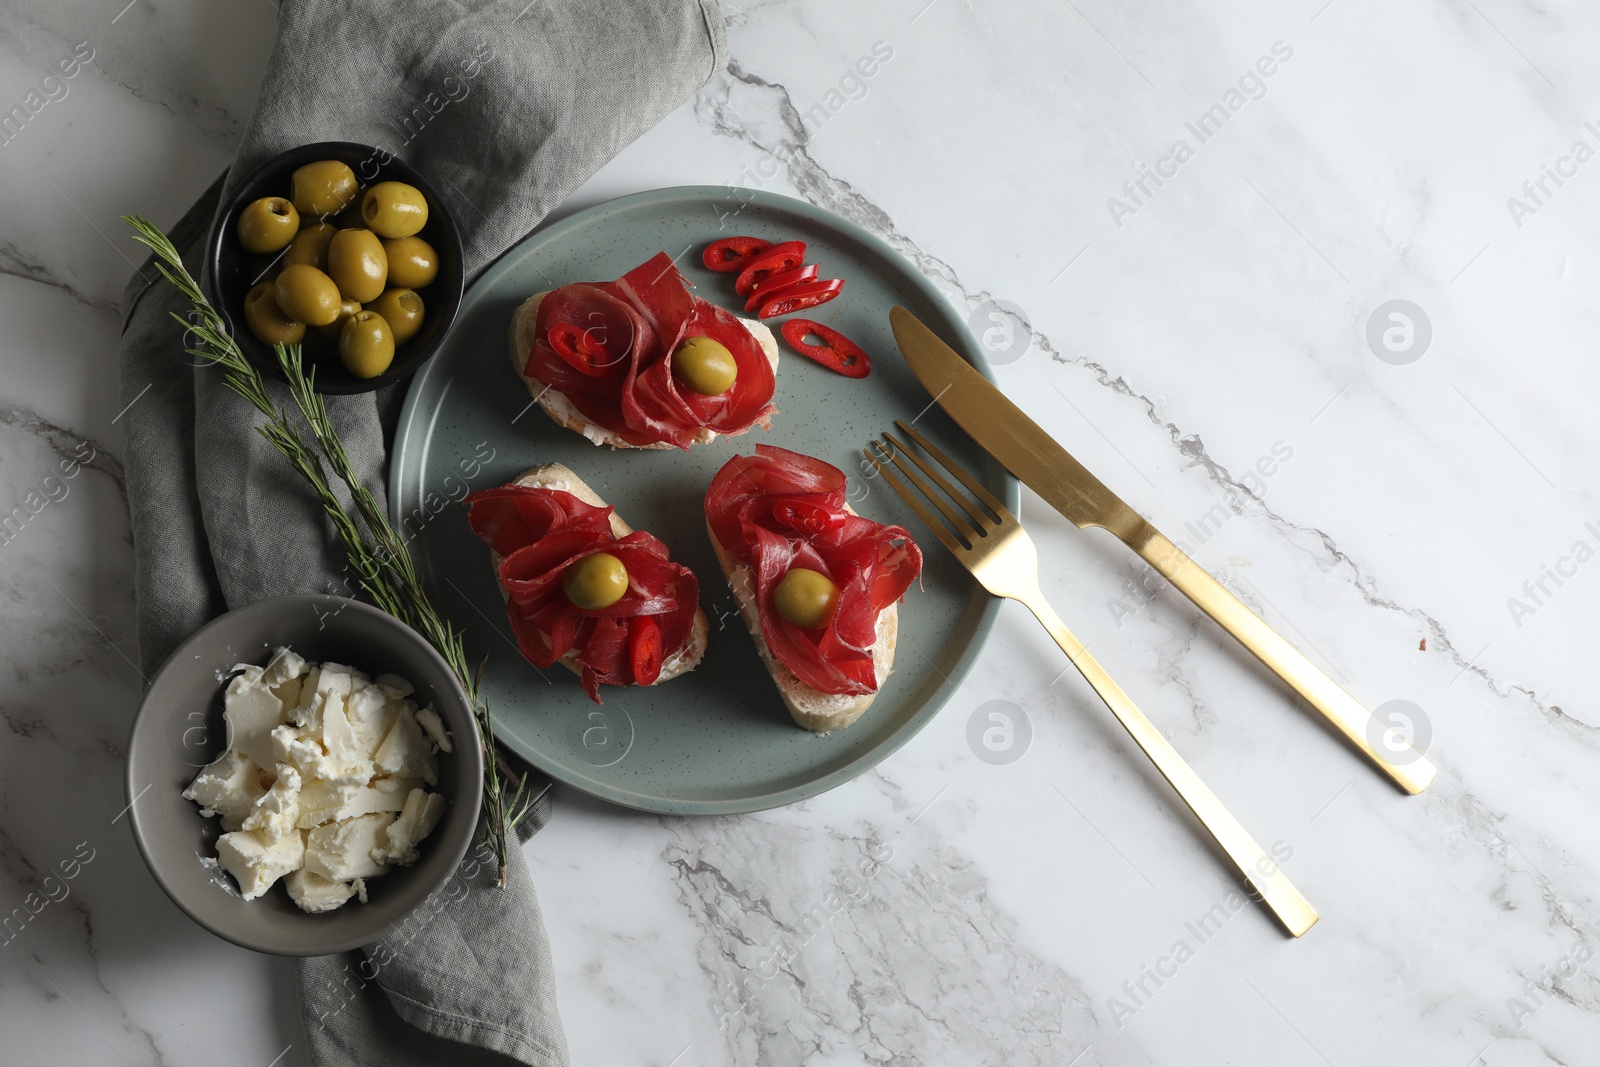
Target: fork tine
x: 957, y: 548
x: 979, y: 518
x: 950, y: 465
x: 968, y: 531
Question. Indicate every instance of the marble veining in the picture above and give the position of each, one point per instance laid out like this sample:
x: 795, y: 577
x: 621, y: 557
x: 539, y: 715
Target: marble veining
x: 13, y: 263
x: 942, y: 909
x: 738, y: 108
x: 66, y: 444
x: 877, y: 960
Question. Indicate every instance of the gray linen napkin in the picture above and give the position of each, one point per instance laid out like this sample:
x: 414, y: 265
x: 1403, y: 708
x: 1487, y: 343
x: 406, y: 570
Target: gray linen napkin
x: 508, y: 107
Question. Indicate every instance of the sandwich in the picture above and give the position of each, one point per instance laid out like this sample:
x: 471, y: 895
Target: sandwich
x: 817, y: 585
x: 642, y: 362
x: 583, y: 588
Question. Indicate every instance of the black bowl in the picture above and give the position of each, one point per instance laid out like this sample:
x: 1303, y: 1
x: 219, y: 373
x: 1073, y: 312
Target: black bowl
x: 232, y: 270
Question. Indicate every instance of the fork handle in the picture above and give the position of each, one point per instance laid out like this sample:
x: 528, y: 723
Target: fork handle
x: 1371, y: 735
x: 1262, y: 872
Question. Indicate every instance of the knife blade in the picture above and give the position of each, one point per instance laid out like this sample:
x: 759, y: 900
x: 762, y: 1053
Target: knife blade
x: 1008, y: 434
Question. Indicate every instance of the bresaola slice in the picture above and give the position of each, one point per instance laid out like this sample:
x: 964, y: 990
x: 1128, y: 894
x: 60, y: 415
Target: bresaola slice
x: 588, y: 316
x: 608, y: 348
x: 538, y: 534
x: 652, y: 398
x: 779, y: 509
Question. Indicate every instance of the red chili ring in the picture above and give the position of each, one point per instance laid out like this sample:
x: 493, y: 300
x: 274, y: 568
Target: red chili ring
x: 775, y: 260
x: 732, y: 253
x: 645, y: 654
x: 836, y: 352
x: 774, y: 282
x: 794, y: 298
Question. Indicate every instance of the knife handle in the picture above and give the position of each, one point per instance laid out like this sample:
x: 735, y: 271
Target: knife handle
x: 1393, y: 755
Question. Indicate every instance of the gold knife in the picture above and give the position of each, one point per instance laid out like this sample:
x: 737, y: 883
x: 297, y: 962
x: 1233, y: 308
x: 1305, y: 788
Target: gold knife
x: 1022, y: 447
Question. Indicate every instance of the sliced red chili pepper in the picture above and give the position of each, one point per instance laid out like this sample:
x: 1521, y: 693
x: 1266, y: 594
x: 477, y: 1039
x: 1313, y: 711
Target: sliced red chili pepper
x: 645, y: 653
x: 799, y: 297
x: 774, y: 282
x: 775, y: 260
x: 578, y: 348
x: 835, y: 351
x: 732, y: 253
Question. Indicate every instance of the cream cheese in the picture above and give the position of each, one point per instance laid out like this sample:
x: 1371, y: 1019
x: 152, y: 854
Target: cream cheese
x: 255, y: 862
x: 324, y: 781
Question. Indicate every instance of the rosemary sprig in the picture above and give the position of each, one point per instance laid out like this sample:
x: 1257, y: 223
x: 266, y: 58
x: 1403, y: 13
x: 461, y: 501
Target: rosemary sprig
x: 383, y: 565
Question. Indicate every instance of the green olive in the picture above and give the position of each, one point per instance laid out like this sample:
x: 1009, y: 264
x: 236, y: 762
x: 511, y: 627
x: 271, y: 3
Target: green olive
x: 357, y: 264
x: 268, y: 224
x: 412, y: 262
x: 595, y: 581
x: 307, y: 295
x: 704, y: 365
x: 347, y: 308
x: 322, y: 188
x: 394, y: 209
x: 402, y: 309
x: 310, y: 245
x: 267, y: 321
x: 806, y: 598
x: 366, y: 346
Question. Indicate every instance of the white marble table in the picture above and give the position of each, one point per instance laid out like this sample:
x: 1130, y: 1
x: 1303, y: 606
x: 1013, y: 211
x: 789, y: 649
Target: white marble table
x: 1424, y: 521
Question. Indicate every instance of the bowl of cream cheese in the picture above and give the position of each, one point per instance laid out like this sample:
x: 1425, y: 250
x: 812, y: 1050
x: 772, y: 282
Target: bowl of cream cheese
x: 304, y: 775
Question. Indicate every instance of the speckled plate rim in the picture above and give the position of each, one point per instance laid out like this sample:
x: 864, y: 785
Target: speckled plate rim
x: 414, y: 431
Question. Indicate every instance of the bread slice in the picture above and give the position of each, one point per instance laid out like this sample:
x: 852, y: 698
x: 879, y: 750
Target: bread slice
x: 817, y: 711
x: 560, y: 408
x: 558, y: 476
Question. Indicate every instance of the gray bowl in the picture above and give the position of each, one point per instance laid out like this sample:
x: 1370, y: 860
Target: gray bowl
x: 180, y: 729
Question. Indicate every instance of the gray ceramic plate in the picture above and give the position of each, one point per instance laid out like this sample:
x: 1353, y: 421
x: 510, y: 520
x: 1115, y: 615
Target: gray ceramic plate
x: 717, y: 740
x: 180, y: 729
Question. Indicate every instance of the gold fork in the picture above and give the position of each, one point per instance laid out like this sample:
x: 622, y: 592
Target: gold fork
x: 1000, y: 554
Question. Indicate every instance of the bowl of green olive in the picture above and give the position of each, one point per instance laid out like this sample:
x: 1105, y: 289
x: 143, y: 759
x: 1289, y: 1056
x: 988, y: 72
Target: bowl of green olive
x: 346, y: 250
